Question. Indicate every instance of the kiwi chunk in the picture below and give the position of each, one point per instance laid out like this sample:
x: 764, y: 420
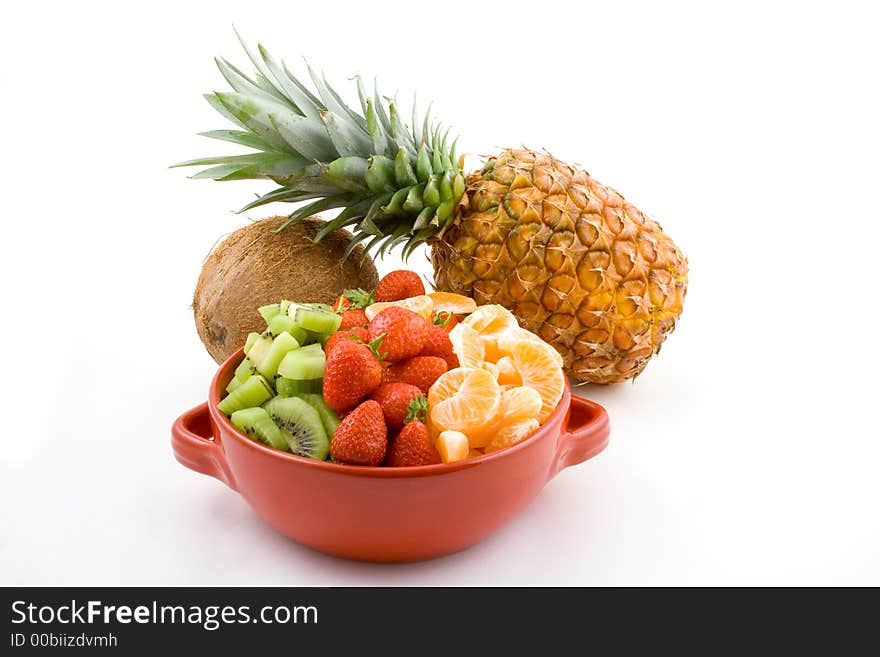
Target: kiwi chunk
x: 319, y: 318
x: 305, y: 363
x: 284, y: 324
x: 256, y: 423
x: 328, y: 416
x: 251, y: 339
x: 266, y: 354
x: 249, y: 394
x: 233, y: 384
x: 292, y: 387
x: 245, y: 370
x: 269, y: 311
x: 301, y: 425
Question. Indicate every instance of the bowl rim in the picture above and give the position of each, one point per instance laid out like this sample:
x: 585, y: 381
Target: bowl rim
x: 369, y: 470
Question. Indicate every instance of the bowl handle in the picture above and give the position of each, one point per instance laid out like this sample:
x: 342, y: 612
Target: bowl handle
x: 194, y: 446
x: 585, y: 434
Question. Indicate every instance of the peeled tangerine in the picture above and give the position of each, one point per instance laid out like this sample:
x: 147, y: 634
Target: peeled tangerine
x: 420, y: 305
x: 449, y: 302
x: 464, y: 399
x: 512, y: 434
x: 518, y: 405
x: 510, y: 381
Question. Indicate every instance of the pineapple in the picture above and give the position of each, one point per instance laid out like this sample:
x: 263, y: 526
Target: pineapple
x: 575, y: 262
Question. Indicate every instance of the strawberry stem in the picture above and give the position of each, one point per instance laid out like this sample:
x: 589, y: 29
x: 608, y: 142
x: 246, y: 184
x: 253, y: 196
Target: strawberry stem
x: 442, y: 318
x: 374, y: 347
x: 417, y: 409
x: 359, y: 298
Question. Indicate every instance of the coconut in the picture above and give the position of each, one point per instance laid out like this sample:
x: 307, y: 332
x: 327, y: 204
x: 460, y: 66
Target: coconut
x: 255, y: 266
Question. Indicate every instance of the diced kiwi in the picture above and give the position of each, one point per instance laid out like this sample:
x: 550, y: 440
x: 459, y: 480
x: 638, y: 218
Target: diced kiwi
x: 269, y: 311
x: 244, y: 370
x: 319, y: 318
x: 284, y: 324
x: 266, y: 354
x: 258, y: 424
x: 323, y: 307
x: 305, y: 363
x: 317, y: 338
x: 251, y: 339
x: 252, y: 392
x: 328, y: 416
x: 273, y: 310
x: 233, y: 384
x: 301, y: 425
x: 292, y: 387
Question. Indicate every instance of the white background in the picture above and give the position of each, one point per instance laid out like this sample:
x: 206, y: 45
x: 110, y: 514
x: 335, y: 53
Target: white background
x: 747, y: 453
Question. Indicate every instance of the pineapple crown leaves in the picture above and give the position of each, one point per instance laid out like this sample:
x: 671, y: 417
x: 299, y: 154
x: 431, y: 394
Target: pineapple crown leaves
x: 391, y: 182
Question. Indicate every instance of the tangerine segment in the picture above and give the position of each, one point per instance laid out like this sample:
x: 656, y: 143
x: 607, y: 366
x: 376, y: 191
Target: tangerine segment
x: 507, y: 374
x: 447, y: 385
x: 522, y: 403
x: 473, y: 405
x: 490, y: 348
x: 517, y: 404
x: 452, y: 446
x: 449, y: 302
x: 481, y: 436
x: 467, y: 346
x: 421, y: 305
x: 539, y: 370
x: 507, y: 339
x: 512, y: 434
x: 491, y: 319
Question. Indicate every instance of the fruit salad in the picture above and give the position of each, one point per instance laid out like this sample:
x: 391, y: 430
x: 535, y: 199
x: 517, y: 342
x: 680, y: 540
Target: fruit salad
x: 393, y: 377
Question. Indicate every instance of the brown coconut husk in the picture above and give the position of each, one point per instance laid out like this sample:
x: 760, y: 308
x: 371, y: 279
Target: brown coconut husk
x: 255, y: 266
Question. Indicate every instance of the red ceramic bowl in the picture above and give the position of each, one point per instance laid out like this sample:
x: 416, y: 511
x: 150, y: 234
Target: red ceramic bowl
x: 385, y: 514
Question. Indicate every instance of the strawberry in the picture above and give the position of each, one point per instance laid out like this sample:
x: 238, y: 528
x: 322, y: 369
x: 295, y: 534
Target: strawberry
x: 351, y: 373
x: 353, y: 317
x: 420, y: 371
x: 395, y: 399
x: 445, y: 320
x: 412, y: 446
x: 357, y: 299
x: 439, y: 344
x: 358, y: 334
x: 361, y: 438
x: 399, y: 284
x: 403, y: 332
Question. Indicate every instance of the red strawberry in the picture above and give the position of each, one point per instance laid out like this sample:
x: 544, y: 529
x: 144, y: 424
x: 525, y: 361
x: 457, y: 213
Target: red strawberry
x: 353, y: 317
x: 399, y: 284
x: 350, y: 375
x: 439, y: 344
x: 361, y: 438
x: 395, y: 399
x: 420, y: 371
x: 404, y: 332
x: 357, y: 334
x: 445, y: 320
x: 357, y: 299
x: 412, y: 446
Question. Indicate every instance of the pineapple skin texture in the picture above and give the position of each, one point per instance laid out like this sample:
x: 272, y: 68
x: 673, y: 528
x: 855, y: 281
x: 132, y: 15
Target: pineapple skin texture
x: 572, y: 260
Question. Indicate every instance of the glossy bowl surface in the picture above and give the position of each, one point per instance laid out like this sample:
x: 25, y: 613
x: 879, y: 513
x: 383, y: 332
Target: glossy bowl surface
x: 385, y: 514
